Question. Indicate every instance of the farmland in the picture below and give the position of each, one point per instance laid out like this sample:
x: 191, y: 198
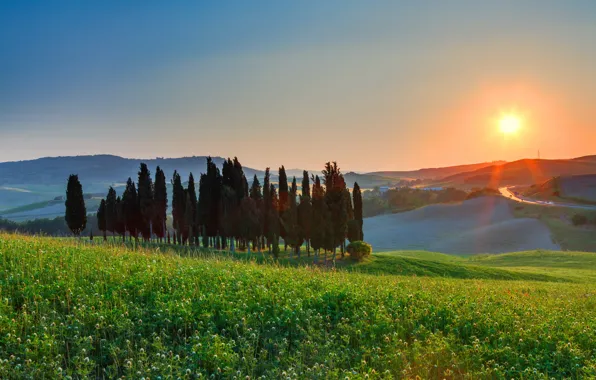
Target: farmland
x: 80, y: 310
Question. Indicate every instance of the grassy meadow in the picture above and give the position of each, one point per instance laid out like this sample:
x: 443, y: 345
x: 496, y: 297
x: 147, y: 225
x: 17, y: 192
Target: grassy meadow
x: 82, y: 310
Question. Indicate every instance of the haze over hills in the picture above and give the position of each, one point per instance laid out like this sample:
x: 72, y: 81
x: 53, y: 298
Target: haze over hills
x: 27, y: 182
x: 99, y: 168
x: 521, y: 172
x: 434, y: 173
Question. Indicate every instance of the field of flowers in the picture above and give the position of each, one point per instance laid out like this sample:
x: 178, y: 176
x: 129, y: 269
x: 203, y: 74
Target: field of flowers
x: 73, y: 310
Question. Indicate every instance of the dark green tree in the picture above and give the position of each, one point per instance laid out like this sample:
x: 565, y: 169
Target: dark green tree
x: 146, y: 206
x: 318, y: 217
x: 290, y: 221
x: 214, y: 205
x: 273, y: 221
x: 249, y: 224
x: 256, y: 195
x: 283, y: 201
x: 357, y: 197
x: 191, y: 218
x: 120, y: 225
x: 160, y: 202
x: 203, y: 208
x: 348, y: 214
x: 338, y: 208
x: 305, y: 211
x: 178, y: 206
x: 266, y: 207
x: 231, y: 185
x: 111, y: 211
x: 101, y: 218
x: 76, y: 213
x: 130, y: 205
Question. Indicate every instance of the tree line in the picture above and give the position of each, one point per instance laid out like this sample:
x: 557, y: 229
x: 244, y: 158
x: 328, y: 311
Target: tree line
x: 228, y: 213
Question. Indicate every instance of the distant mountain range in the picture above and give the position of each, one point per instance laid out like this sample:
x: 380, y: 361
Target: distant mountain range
x: 100, y: 169
x: 40, y: 180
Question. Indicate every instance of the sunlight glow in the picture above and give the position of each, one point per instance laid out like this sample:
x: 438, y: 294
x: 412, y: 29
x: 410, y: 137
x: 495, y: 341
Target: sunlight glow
x: 509, y: 124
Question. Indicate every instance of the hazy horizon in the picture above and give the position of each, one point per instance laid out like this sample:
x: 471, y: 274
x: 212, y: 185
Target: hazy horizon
x: 387, y: 85
x: 275, y: 166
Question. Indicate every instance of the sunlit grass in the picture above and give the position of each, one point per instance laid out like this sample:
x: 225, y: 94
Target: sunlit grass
x: 69, y: 309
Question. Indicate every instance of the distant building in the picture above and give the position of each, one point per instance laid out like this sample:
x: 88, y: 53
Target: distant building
x: 432, y: 188
x: 383, y: 189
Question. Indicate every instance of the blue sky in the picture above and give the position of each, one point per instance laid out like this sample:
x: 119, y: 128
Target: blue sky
x: 373, y: 85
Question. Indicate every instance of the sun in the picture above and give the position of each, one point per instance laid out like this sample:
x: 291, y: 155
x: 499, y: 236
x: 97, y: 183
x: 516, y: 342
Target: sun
x: 509, y: 124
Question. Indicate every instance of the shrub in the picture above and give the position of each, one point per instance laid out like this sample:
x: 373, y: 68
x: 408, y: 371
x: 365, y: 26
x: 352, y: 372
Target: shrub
x: 579, y: 220
x: 359, y: 250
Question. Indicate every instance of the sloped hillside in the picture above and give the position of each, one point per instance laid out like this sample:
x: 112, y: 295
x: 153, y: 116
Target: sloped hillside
x: 481, y: 225
x: 434, y: 173
x: 522, y: 172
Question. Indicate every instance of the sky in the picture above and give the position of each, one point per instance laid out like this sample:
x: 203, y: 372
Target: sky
x: 375, y: 85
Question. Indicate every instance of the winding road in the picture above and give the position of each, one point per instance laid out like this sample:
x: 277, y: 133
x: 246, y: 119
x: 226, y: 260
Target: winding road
x: 507, y: 193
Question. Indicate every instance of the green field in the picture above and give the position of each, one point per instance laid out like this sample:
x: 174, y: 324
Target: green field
x: 74, y: 309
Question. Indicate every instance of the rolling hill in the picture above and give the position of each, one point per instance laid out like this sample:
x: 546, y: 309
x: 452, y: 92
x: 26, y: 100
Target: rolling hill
x: 33, y: 181
x: 434, y: 173
x: 521, y: 172
x: 480, y: 225
x: 98, y: 169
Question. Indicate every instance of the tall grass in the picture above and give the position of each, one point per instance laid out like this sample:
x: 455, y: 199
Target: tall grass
x: 69, y: 309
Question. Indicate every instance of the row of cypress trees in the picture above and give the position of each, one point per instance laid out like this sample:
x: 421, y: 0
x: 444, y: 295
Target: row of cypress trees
x: 227, y: 212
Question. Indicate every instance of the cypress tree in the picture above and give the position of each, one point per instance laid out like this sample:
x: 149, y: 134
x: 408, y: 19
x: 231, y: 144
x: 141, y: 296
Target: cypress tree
x: 283, y: 201
x: 256, y: 191
x: 120, y: 225
x: 348, y: 215
x: 266, y: 207
x: 318, y: 217
x: 249, y: 224
x: 203, y: 208
x: 357, y: 196
x: 336, y: 203
x: 231, y: 186
x: 178, y: 205
x: 273, y: 221
x: 111, y: 211
x: 240, y: 182
x: 101, y: 218
x: 188, y: 217
x: 130, y: 205
x: 257, y: 196
x: 191, y: 218
x: 76, y: 213
x: 283, y: 190
x: 160, y: 199
x: 145, y: 196
x: 214, y: 205
x: 305, y: 211
x: 290, y: 221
